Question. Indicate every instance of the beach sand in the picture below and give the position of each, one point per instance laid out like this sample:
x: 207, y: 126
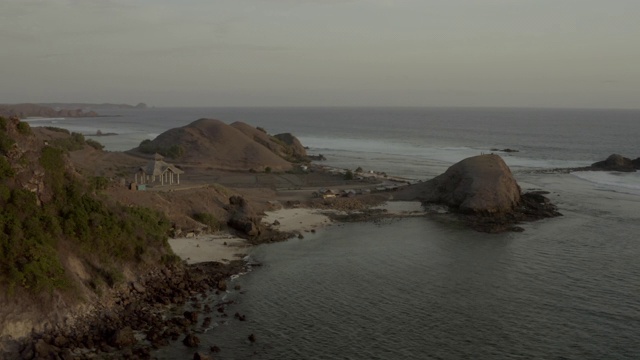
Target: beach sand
x: 209, y: 247
x: 298, y: 219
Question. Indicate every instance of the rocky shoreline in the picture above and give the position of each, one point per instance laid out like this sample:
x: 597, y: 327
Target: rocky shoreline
x: 134, y: 324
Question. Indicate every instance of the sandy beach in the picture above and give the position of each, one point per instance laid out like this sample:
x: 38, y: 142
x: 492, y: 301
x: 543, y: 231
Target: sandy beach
x: 298, y: 219
x: 209, y: 247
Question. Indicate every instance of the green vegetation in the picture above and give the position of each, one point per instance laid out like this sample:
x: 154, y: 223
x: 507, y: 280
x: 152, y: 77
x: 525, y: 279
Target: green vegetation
x: 210, y: 220
x: 73, y: 143
x: 94, y: 144
x: 6, y: 142
x: 6, y: 171
x: 267, y: 170
x: 57, y: 129
x: 24, y: 128
x: 348, y: 175
x: 103, y: 236
x: 98, y: 183
x: 173, y: 152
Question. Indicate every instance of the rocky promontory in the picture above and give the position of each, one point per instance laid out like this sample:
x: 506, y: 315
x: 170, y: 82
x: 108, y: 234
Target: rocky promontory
x: 484, y: 192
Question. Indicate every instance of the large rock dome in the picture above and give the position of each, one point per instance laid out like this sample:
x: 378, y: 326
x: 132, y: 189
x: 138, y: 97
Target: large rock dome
x: 481, y: 184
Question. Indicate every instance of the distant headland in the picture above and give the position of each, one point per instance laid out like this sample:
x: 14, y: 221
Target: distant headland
x: 26, y: 110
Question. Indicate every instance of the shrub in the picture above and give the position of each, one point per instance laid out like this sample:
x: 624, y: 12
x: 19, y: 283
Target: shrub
x: 5, y: 143
x: 99, y: 183
x: 6, y: 171
x: 72, y: 143
x: 173, y: 152
x: 94, y: 144
x: 209, y: 220
x: 24, y: 128
x: 146, y: 147
x: 57, y: 129
x: 267, y: 169
x: 348, y: 175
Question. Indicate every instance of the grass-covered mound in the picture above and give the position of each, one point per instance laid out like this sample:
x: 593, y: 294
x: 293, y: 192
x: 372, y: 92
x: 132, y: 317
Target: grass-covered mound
x: 218, y: 145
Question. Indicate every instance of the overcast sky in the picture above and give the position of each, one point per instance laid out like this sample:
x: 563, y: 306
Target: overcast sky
x: 548, y: 53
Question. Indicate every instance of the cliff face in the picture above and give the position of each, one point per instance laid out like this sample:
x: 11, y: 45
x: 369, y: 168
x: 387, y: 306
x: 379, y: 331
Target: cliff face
x: 213, y: 143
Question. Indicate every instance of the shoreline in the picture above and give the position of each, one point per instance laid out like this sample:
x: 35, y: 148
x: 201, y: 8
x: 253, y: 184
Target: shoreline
x: 134, y: 320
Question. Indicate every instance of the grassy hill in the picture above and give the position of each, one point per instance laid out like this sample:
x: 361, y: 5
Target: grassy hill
x: 60, y: 239
x: 215, y: 144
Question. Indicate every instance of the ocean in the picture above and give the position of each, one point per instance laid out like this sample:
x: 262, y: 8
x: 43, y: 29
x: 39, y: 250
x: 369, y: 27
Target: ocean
x: 429, y: 288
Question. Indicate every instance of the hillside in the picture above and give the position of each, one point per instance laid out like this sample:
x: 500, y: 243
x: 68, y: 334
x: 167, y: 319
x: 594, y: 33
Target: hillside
x: 61, y: 243
x: 213, y: 143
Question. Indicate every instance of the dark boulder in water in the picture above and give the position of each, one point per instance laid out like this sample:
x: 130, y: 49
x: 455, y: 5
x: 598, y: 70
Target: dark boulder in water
x: 616, y: 162
x: 484, y: 192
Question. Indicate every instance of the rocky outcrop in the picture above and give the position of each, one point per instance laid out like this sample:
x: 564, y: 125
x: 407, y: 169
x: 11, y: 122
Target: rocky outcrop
x: 242, y: 217
x: 111, y: 330
x: 480, y: 184
x: 616, y: 162
x: 294, y: 147
x: 247, y: 223
x: 284, y: 145
x: 483, y: 191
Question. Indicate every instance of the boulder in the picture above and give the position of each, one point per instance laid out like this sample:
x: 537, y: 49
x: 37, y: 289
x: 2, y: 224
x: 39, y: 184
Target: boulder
x: 123, y: 338
x: 484, y: 193
x: 200, y: 356
x: 617, y: 162
x: 242, y: 217
x: 191, y: 340
x: 479, y: 185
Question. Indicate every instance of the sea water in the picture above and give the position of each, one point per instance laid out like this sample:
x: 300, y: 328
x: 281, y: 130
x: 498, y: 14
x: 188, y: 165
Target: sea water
x: 429, y: 288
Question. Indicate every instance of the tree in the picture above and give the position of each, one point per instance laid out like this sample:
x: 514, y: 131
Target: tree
x: 348, y: 175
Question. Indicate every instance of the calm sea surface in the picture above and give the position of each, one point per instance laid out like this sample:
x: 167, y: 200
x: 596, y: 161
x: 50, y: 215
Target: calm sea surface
x: 427, y: 288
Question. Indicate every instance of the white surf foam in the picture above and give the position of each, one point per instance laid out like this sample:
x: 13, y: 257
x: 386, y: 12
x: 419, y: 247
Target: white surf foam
x: 628, y: 183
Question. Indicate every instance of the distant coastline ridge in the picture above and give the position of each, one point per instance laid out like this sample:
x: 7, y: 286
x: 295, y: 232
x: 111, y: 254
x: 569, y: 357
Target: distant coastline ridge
x: 60, y: 110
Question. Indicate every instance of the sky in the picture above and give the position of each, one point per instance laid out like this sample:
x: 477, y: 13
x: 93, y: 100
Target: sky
x: 515, y: 53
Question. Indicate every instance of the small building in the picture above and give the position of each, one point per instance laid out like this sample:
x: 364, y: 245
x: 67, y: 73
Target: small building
x: 158, y: 170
